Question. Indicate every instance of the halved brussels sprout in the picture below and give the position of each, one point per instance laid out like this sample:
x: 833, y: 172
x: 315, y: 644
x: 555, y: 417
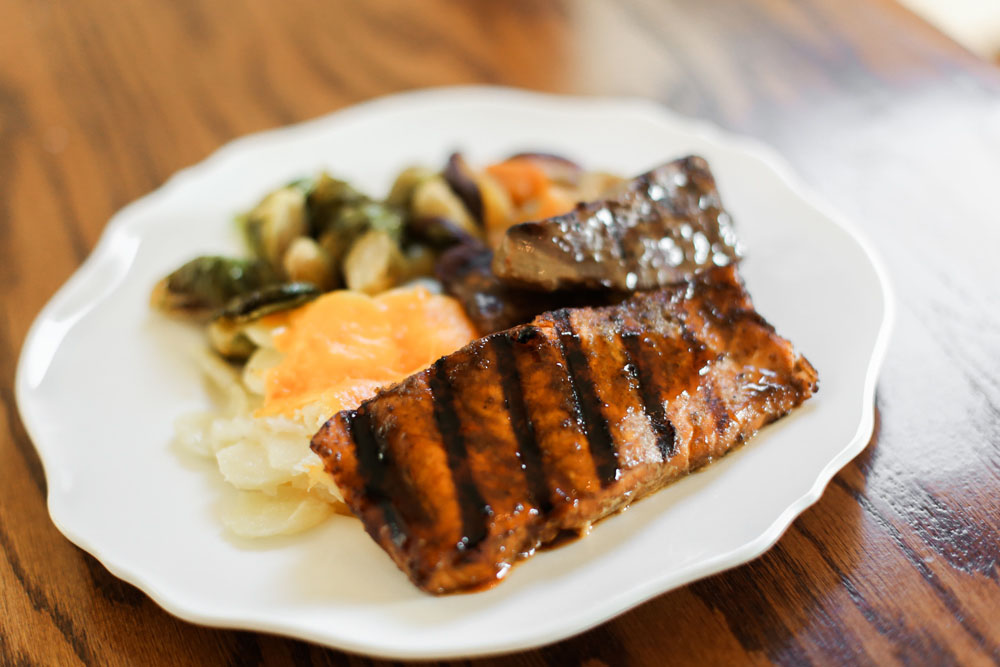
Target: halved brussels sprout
x: 403, y: 187
x: 274, y: 223
x: 228, y: 332
x: 269, y: 299
x: 199, y: 288
x: 325, y: 201
x: 374, y: 263
x: 436, y: 232
x: 420, y: 261
x: 434, y: 199
x: 306, y: 261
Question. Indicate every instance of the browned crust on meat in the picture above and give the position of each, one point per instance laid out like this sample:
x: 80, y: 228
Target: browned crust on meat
x: 547, y: 427
x: 663, y: 227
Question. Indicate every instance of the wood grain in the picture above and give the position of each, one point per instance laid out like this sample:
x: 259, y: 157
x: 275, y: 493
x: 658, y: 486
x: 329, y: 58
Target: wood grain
x: 891, y: 121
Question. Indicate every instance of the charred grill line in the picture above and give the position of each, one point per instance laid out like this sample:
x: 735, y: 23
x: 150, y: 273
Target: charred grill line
x: 595, y: 426
x: 528, y: 451
x: 719, y: 411
x: 666, y: 435
x: 414, y: 440
x: 373, y: 467
x: 473, y: 508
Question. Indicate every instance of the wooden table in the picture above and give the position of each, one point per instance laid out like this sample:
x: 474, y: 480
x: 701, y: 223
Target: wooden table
x: 899, y: 127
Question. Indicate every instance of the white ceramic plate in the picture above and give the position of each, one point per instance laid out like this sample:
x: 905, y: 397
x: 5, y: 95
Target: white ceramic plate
x: 101, y: 381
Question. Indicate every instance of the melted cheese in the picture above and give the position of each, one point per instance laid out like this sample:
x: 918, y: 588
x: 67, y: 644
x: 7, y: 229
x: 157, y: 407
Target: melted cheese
x: 339, y: 349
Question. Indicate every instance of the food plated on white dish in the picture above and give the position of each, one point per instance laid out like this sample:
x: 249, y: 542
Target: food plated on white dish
x: 101, y: 406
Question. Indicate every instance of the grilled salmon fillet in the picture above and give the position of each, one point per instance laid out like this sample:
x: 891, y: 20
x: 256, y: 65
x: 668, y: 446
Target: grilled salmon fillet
x: 659, y: 228
x: 500, y: 447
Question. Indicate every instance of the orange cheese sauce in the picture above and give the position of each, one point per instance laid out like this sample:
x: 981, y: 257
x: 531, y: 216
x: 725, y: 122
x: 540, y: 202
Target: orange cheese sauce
x: 339, y: 349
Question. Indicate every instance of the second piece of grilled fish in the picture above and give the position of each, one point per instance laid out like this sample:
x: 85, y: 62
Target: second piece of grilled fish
x: 498, y: 448
x: 661, y: 227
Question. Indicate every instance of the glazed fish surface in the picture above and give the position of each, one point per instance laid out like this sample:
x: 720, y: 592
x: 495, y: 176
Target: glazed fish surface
x: 521, y: 436
x: 659, y: 228
x: 464, y: 272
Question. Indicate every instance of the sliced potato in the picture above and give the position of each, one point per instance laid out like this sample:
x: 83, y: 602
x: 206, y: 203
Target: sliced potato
x: 245, y: 465
x: 287, y: 511
x: 255, y: 370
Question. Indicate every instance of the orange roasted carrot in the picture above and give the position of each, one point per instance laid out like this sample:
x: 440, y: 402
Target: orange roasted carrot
x: 520, y: 177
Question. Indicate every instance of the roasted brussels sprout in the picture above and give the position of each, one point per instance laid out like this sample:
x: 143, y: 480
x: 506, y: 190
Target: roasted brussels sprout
x: 436, y: 232
x: 306, y: 261
x: 374, y: 263
x: 269, y: 299
x: 325, y: 201
x: 204, y: 285
x: 434, y: 199
x: 420, y: 262
x: 274, y: 223
x: 228, y: 332
x: 374, y: 215
x: 403, y: 187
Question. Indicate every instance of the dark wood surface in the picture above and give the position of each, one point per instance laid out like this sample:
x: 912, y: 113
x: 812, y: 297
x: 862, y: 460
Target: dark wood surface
x: 899, y: 127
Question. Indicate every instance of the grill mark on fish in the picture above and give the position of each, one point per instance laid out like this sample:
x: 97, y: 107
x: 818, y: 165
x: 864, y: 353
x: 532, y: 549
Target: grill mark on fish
x: 528, y: 451
x: 718, y: 408
x: 595, y: 426
x: 652, y: 405
x: 373, y: 466
x: 687, y: 365
x: 474, y: 510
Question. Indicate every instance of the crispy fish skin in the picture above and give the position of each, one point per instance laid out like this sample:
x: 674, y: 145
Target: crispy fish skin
x: 662, y: 227
x: 462, y: 469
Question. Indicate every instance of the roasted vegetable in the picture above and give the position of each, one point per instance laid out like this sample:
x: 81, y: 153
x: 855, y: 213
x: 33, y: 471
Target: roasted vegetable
x: 205, y: 284
x: 434, y: 199
x: 557, y: 168
x: 269, y: 299
x: 319, y: 234
x: 403, y: 187
x: 420, y: 262
x: 463, y: 183
x: 326, y: 200
x: 498, y: 209
x: 436, y: 232
x: 375, y: 263
x: 306, y: 261
x: 522, y: 178
x: 227, y: 332
x: 274, y: 223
